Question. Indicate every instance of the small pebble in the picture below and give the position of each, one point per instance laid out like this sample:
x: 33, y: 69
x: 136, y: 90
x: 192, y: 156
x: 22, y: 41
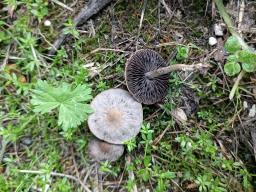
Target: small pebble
x: 179, y: 115
x: 26, y: 141
x: 252, y: 111
x: 245, y: 104
x: 47, y: 23
x: 212, y: 41
x: 218, y: 31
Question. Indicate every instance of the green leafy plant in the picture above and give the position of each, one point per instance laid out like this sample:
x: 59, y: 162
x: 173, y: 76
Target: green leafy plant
x: 68, y: 101
x: 232, y: 45
x: 204, y: 182
x: 106, y: 167
x: 70, y: 28
x: 102, y: 85
x: 147, y: 137
x: 38, y: 8
x: 182, y: 53
x: 238, y: 58
x: 131, y: 144
x: 248, y: 60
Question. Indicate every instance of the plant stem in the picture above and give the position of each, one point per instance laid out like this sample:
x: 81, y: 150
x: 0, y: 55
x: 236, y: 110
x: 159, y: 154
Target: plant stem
x: 229, y: 23
x: 176, y: 67
x: 2, y: 151
x: 231, y: 28
x: 233, y: 90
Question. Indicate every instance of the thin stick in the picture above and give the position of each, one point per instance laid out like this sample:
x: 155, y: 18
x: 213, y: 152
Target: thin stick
x: 158, y: 139
x: 234, y: 88
x: 168, y: 10
x: 240, y: 16
x: 176, y: 67
x: 5, y: 61
x: 99, y: 179
x: 107, y: 49
x: 141, y: 20
x: 2, y: 151
x: 253, y: 134
x: 62, y: 5
x: 92, y: 8
x: 55, y: 174
x: 131, y: 174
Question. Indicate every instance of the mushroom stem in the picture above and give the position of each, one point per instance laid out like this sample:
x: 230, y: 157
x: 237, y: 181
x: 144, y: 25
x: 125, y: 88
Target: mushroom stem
x: 176, y: 67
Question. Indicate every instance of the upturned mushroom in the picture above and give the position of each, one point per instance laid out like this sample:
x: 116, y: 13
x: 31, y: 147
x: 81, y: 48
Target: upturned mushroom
x: 147, y: 75
x: 99, y: 150
x: 117, y: 116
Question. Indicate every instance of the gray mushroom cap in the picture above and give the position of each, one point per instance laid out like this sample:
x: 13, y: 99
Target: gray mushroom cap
x: 102, y: 151
x: 144, y: 89
x: 117, y: 117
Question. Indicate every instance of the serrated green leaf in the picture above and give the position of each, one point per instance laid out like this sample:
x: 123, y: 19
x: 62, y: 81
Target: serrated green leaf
x: 69, y: 102
x: 44, y: 107
x: 72, y: 114
x: 232, y: 68
x: 232, y: 45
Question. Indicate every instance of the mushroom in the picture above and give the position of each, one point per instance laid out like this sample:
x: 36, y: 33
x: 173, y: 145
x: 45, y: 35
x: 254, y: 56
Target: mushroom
x: 146, y: 75
x: 117, y: 117
x: 146, y: 90
x: 102, y: 151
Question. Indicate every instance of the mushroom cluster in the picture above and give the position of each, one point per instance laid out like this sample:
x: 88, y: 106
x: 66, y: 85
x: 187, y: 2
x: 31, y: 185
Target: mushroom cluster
x: 118, y: 114
x: 100, y: 150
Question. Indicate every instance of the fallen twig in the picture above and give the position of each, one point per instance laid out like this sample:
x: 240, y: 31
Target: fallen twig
x: 253, y: 134
x: 240, y: 16
x: 168, y: 10
x: 5, y: 61
x: 141, y: 20
x: 62, y: 5
x: 131, y: 174
x: 234, y: 88
x: 3, y: 148
x: 92, y: 8
x: 107, y: 49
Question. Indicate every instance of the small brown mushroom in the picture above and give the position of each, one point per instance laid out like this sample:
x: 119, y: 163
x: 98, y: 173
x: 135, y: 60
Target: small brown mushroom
x: 147, y: 76
x: 117, y: 117
x: 102, y: 151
